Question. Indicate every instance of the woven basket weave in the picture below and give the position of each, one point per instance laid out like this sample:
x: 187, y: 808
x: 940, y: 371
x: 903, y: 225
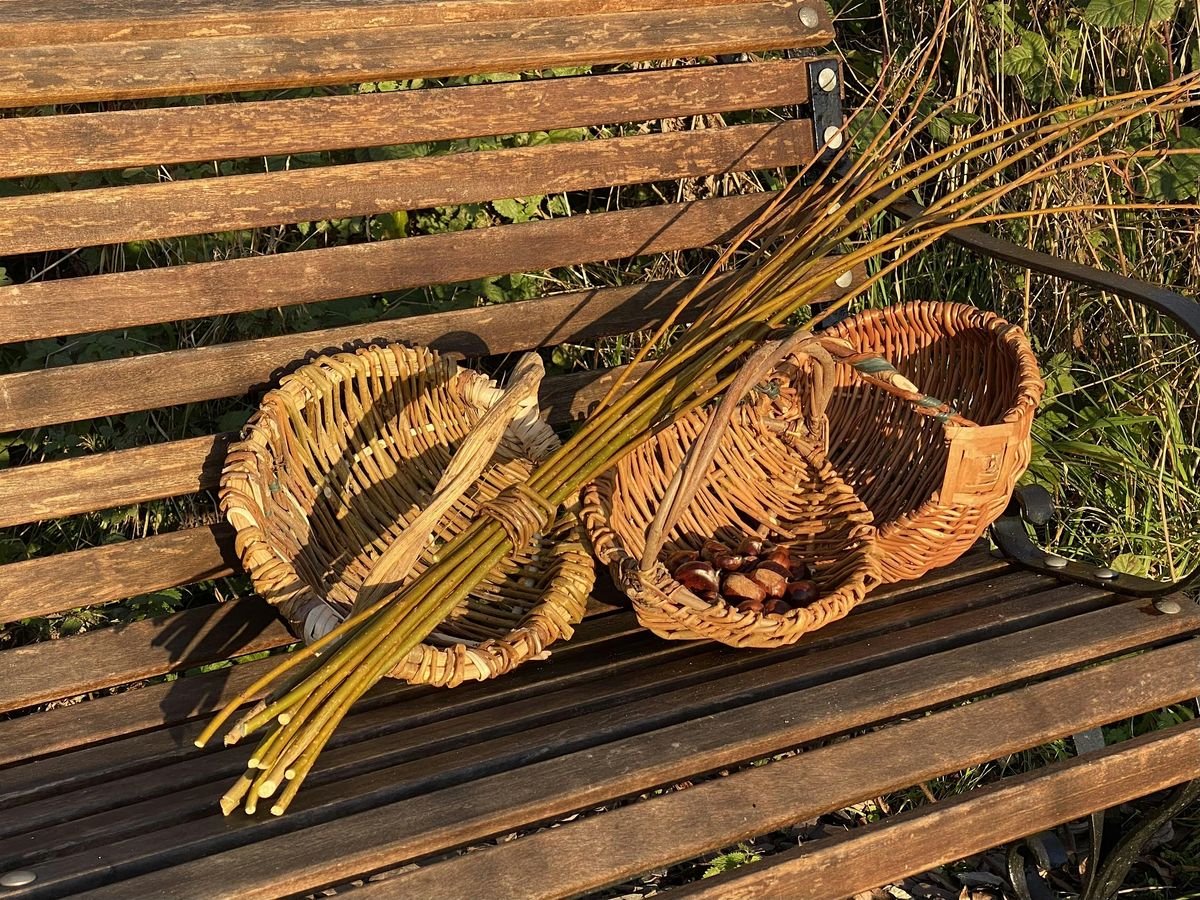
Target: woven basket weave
x: 762, y: 482
x: 934, y: 486
x: 344, y: 454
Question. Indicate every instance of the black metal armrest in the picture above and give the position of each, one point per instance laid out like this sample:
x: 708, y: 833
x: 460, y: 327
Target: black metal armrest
x: 1033, y: 505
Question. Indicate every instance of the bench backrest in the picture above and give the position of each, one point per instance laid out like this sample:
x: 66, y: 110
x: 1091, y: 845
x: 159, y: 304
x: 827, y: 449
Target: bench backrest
x: 62, y: 78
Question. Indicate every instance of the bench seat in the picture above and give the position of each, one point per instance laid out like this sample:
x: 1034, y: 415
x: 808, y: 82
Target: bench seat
x: 110, y: 796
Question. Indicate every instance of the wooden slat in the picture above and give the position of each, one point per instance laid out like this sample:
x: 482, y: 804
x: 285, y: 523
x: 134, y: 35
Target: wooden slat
x: 141, y: 297
x: 51, y: 670
x: 618, y: 697
x: 118, y: 478
x: 987, y: 817
x: 145, y: 137
x: 668, y: 829
x: 52, y: 584
x: 64, y: 73
x: 36, y: 222
x: 32, y: 22
x: 338, y: 845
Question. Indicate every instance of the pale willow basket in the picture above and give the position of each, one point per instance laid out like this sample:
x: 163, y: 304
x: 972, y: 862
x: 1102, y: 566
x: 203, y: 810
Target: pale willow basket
x: 344, y: 454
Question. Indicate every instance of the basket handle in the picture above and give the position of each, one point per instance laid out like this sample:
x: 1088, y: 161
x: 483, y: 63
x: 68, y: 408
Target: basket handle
x: 691, y: 472
x: 467, y: 464
x: 877, y: 370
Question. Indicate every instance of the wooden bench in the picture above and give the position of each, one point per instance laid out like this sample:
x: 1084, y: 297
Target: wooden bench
x: 109, y: 795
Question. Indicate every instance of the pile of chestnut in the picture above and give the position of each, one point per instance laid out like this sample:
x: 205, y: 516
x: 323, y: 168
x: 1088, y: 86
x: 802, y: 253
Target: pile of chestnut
x: 758, y: 576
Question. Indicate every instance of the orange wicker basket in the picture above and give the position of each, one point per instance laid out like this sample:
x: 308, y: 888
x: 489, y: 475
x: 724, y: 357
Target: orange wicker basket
x: 755, y: 480
x: 933, y: 482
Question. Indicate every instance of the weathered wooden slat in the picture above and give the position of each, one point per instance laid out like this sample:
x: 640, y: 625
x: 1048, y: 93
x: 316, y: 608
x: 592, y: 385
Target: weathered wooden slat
x: 52, y: 584
x: 33, y: 22
x: 65, y: 73
x: 625, y: 842
x: 52, y: 670
x: 104, y: 480
x: 145, y: 137
x: 36, y: 222
x: 344, y: 846
x: 141, y: 297
x: 987, y: 817
x: 666, y: 668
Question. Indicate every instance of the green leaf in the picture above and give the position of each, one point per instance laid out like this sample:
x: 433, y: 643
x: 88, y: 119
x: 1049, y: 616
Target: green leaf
x: 1132, y: 13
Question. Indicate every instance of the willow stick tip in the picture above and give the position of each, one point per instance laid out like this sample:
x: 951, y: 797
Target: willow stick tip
x: 267, y: 789
x: 233, y: 796
x: 284, y: 718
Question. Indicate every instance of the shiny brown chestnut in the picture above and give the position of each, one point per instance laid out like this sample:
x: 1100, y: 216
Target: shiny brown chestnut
x: 729, y: 562
x: 751, y: 546
x: 712, y: 549
x: 678, y: 558
x: 776, y: 607
x: 698, y: 576
x: 738, y: 587
x: 750, y: 606
x: 802, y: 592
x: 771, y: 579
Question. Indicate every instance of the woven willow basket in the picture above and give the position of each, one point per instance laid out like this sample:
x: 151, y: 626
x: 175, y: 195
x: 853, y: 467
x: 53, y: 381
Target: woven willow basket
x: 344, y: 454
x: 934, y: 485
x: 761, y: 482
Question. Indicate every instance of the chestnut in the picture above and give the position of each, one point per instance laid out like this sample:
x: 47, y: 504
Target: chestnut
x: 802, y: 593
x: 780, y: 556
x: 678, y: 558
x: 751, y: 546
x: 729, y: 562
x: 712, y: 549
x: 738, y: 587
x: 698, y: 576
x: 750, y: 606
x: 776, y: 607
x: 769, y: 577
x: 801, y: 571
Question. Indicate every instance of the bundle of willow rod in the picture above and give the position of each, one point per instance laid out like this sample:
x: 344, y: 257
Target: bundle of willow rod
x: 787, y: 245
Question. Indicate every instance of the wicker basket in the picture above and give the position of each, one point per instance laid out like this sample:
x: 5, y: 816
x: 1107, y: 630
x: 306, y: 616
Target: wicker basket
x: 933, y: 482
x: 344, y: 455
x: 755, y: 480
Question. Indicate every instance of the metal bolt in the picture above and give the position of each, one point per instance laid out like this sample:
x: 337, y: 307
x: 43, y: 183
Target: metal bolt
x: 1105, y: 574
x: 845, y: 279
x: 1168, y: 606
x: 833, y: 137
x: 17, y: 878
x: 1054, y: 561
x: 827, y: 80
x: 809, y: 17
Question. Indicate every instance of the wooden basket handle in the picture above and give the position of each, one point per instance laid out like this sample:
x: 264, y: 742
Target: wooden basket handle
x: 692, y: 470
x: 465, y: 467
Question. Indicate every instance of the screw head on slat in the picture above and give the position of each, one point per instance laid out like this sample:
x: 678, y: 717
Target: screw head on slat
x: 17, y: 878
x: 832, y: 137
x: 844, y: 280
x: 827, y: 79
x: 809, y: 17
x: 1106, y: 574
x: 1168, y: 606
x: 1054, y: 561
